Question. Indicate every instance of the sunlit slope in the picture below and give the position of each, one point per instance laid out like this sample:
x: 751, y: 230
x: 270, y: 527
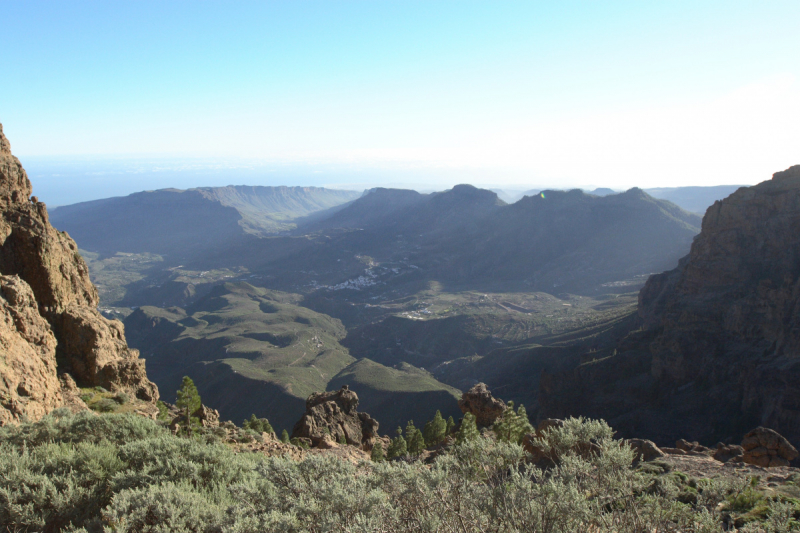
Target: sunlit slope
x: 252, y: 350
x: 395, y: 395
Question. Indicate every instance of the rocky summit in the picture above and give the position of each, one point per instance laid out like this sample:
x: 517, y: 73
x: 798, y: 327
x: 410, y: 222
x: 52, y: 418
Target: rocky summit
x: 718, y: 351
x: 49, y: 323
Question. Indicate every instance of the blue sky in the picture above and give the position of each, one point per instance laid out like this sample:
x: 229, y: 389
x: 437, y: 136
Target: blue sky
x: 507, y: 94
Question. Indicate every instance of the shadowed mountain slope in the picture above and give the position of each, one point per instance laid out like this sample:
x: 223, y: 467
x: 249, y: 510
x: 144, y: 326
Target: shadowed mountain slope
x: 719, y: 351
x: 190, y: 222
x: 467, y: 236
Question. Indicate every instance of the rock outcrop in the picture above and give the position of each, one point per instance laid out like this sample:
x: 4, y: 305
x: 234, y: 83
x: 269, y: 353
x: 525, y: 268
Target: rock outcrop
x: 767, y: 448
x: 29, y: 385
x: 50, y: 322
x: 645, y: 450
x: 332, y: 417
x: 719, y: 347
x: 479, y: 401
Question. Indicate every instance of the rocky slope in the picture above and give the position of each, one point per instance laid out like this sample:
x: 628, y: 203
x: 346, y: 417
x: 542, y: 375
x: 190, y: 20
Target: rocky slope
x: 49, y: 322
x: 719, y: 350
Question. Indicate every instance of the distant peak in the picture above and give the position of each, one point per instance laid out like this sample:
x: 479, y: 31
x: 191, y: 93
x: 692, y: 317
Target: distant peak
x: 636, y: 192
x: 470, y: 191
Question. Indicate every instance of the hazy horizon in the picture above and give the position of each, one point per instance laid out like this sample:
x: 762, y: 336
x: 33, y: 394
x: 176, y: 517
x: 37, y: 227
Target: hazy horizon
x: 417, y: 94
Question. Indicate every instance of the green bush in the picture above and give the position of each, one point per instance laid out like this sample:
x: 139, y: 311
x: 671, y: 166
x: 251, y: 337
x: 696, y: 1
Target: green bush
x: 259, y: 425
x: 121, y: 398
x: 105, y: 405
x: 124, y: 474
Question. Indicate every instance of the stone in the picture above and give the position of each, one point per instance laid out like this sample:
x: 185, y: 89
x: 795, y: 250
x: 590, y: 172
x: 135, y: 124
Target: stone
x: 767, y: 448
x: 334, y: 416
x: 479, y: 401
x: 645, y: 450
x: 728, y: 452
x: 29, y: 385
x: 692, y: 448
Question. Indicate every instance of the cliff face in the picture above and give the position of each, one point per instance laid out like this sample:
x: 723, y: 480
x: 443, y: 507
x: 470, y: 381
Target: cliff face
x: 720, y: 346
x: 49, y: 321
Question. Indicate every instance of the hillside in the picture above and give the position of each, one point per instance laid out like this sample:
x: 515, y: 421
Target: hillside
x: 252, y: 350
x: 188, y: 223
x: 719, y: 346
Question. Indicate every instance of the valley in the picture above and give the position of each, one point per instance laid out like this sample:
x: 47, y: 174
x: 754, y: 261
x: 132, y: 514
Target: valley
x: 405, y: 297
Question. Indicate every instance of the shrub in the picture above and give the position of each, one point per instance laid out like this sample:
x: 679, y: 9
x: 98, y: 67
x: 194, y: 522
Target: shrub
x: 377, y: 454
x: 86, y: 473
x: 259, y: 425
x: 121, y: 398
x: 105, y: 405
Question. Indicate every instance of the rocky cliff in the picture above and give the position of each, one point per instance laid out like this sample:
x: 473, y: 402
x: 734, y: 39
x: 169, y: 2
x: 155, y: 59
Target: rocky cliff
x: 719, y: 348
x: 49, y: 323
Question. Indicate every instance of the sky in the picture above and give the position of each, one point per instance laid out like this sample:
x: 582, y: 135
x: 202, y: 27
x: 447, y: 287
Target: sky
x: 107, y: 98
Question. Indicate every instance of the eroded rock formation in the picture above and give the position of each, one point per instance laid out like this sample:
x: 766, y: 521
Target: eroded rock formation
x: 333, y: 416
x: 479, y: 401
x: 719, y: 348
x: 48, y: 311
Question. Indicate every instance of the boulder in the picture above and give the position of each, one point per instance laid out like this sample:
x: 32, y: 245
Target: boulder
x: 728, y: 452
x: 767, y: 448
x: 692, y: 448
x: 331, y: 416
x: 480, y: 402
x: 646, y: 450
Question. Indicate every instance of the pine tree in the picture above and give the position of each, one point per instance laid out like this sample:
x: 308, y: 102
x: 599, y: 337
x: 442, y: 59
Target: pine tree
x: 377, y: 453
x: 398, y: 447
x: 285, y: 436
x: 410, y: 431
x: 260, y: 425
x: 435, y: 430
x: 163, y: 412
x: 525, y: 426
x: 468, y: 430
x: 189, y: 402
x: 417, y: 443
x: 513, y: 426
x: 450, y: 425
